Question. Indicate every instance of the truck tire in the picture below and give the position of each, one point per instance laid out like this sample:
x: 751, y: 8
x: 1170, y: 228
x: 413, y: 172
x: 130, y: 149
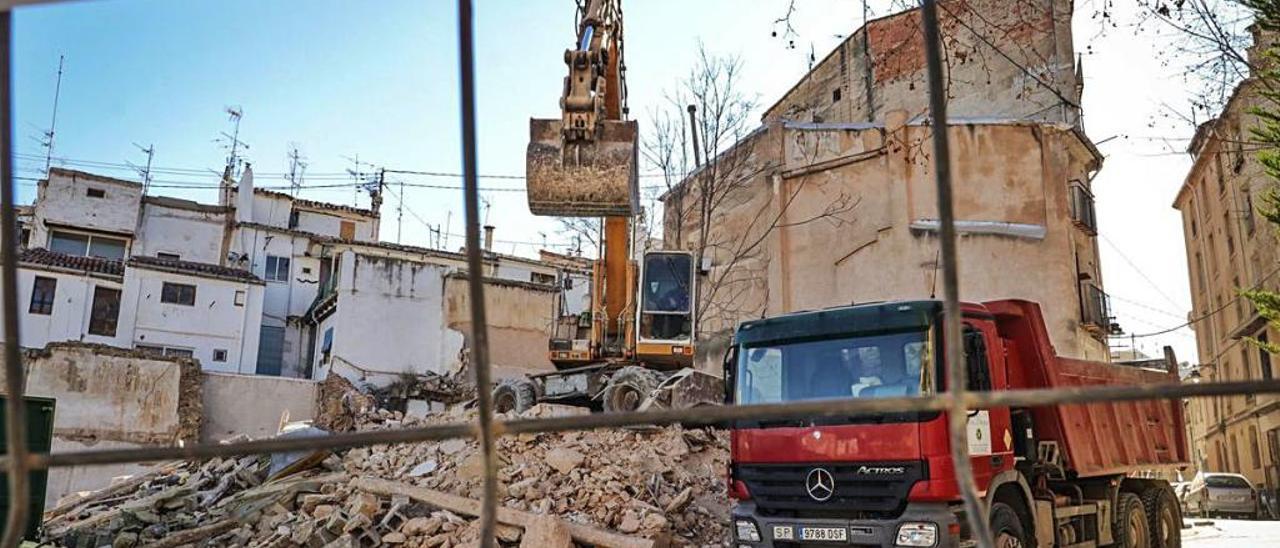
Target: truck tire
x: 1163, y: 517
x: 1006, y: 528
x: 628, y: 388
x: 1131, y: 529
x: 514, y: 395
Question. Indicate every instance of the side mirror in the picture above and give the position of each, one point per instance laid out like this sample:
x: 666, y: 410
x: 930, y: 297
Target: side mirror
x: 730, y: 361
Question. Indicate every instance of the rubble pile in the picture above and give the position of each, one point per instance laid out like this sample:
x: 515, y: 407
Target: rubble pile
x: 638, y: 487
x: 650, y: 482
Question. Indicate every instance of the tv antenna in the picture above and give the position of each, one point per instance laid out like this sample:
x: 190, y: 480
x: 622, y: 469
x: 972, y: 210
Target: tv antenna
x: 145, y: 172
x: 47, y: 141
x: 232, y: 140
x: 297, y: 167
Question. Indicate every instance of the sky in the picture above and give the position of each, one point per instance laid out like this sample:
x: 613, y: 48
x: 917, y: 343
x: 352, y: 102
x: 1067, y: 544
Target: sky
x: 378, y: 81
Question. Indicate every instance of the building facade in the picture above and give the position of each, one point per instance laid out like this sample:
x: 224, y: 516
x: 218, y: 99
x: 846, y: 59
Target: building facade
x: 264, y: 283
x: 1231, y: 247
x: 835, y: 194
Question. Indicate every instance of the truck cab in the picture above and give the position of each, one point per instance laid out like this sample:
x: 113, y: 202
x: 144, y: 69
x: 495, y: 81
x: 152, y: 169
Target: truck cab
x: 888, y: 480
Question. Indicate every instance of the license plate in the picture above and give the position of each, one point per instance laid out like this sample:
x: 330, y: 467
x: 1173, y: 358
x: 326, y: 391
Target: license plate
x: 824, y: 533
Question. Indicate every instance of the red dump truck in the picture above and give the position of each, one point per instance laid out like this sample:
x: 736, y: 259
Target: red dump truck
x: 1057, y: 475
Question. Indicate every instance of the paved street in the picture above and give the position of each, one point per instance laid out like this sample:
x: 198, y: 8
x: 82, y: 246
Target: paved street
x: 1230, y: 533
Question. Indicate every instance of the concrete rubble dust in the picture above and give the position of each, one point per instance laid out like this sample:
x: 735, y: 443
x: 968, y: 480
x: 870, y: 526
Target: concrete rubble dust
x: 633, y: 487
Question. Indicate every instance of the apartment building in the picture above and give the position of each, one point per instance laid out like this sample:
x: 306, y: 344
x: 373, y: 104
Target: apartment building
x: 264, y: 283
x: 1231, y: 247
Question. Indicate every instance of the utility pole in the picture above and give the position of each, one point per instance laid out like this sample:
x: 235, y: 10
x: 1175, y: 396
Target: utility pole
x: 146, y: 172
x: 693, y: 132
x: 53, y: 122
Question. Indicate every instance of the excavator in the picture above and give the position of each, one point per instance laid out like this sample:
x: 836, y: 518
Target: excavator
x: 633, y: 348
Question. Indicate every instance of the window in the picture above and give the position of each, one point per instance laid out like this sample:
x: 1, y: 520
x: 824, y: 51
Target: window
x: 835, y: 95
x: 347, y: 230
x: 166, y: 351
x: 1226, y: 227
x: 96, y: 193
x: 1199, y: 268
x: 1255, y: 453
x: 240, y: 295
x: 1234, y: 454
x: 169, y: 256
x: 1191, y: 217
x: 1248, y: 210
x: 85, y: 245
x: 326, y: 345
x: 306, y: 270
x: 540, y: 278
x: 975, y: 357
x: 105, y: 312
x: 42, y: 295
x: 1094, y: 311
x: 1082, y: 209
x: 173, y: 293
x: 277, y: 269
x: 219, y: 355
x: 293, y: 219
x: 1264, y: 357
x: 860, y: 366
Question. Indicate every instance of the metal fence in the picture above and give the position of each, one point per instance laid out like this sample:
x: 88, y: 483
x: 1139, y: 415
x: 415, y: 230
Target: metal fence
x: 955, y: 401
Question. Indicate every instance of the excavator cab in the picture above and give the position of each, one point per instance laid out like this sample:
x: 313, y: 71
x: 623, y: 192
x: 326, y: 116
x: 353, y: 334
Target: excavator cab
x: 665, y: 315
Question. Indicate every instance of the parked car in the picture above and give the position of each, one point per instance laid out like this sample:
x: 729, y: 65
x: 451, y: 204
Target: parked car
x: 1219, y: 494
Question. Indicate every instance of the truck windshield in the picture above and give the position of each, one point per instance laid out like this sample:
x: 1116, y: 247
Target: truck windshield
x: 875, y: 366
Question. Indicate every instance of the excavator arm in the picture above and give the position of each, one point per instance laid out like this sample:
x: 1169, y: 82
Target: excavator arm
x: 585, y: 163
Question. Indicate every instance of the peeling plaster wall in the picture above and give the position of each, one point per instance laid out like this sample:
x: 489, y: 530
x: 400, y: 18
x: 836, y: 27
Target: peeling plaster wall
x: 389, y: 319
x: 519, y: 318
x: 982, y: 81
x: 838, y: 213
x: 108, y: 398
x: 63, y: 199
x: 330, y: 224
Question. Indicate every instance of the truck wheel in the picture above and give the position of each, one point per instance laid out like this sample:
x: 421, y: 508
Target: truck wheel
x: 1006, y: 528
x: 628, y: 388
x: 1163, y: 518
x: 1131, y: 528
x: 516, y: 395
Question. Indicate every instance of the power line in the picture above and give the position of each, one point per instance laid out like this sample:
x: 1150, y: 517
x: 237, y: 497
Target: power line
x: 1205, y: 316
x: 1144, y: 276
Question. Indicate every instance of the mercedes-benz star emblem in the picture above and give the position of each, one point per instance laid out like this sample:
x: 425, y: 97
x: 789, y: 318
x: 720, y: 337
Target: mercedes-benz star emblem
x: 820, y: 484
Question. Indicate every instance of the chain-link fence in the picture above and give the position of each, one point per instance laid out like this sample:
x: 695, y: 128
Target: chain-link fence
x: 955, y: 402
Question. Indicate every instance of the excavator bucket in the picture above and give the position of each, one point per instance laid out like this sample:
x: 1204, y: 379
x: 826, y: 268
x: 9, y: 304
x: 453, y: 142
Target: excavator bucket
x: 584, y: 178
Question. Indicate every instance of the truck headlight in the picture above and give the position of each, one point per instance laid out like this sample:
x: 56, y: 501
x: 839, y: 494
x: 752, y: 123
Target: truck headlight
x: 747, y: 530
x: 917, y: 534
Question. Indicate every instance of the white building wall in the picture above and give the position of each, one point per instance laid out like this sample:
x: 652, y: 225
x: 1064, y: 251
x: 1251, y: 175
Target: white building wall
x: 192, y: 235
x: 390, y: 319
x: 73, y: 302
x: 214, y: 322
x: 330, y: 224
x: 271, y: 209
x: 63, y: 199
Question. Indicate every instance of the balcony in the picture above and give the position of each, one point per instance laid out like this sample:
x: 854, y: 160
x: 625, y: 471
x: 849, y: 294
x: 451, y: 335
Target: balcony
x: 1082, y: 212
x: 1095, y: 310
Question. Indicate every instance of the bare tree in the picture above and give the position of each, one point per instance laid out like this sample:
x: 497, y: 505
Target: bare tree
x: 708, y: 167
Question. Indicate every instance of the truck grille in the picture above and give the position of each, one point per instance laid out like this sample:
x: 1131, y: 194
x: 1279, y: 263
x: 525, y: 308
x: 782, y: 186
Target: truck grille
x: 862, y: 490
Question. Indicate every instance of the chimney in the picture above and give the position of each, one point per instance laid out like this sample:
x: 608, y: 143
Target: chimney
x: 488, y: 237
x: 244, y: 196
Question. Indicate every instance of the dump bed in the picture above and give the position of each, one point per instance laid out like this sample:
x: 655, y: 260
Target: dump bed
x: 1098, y: 438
